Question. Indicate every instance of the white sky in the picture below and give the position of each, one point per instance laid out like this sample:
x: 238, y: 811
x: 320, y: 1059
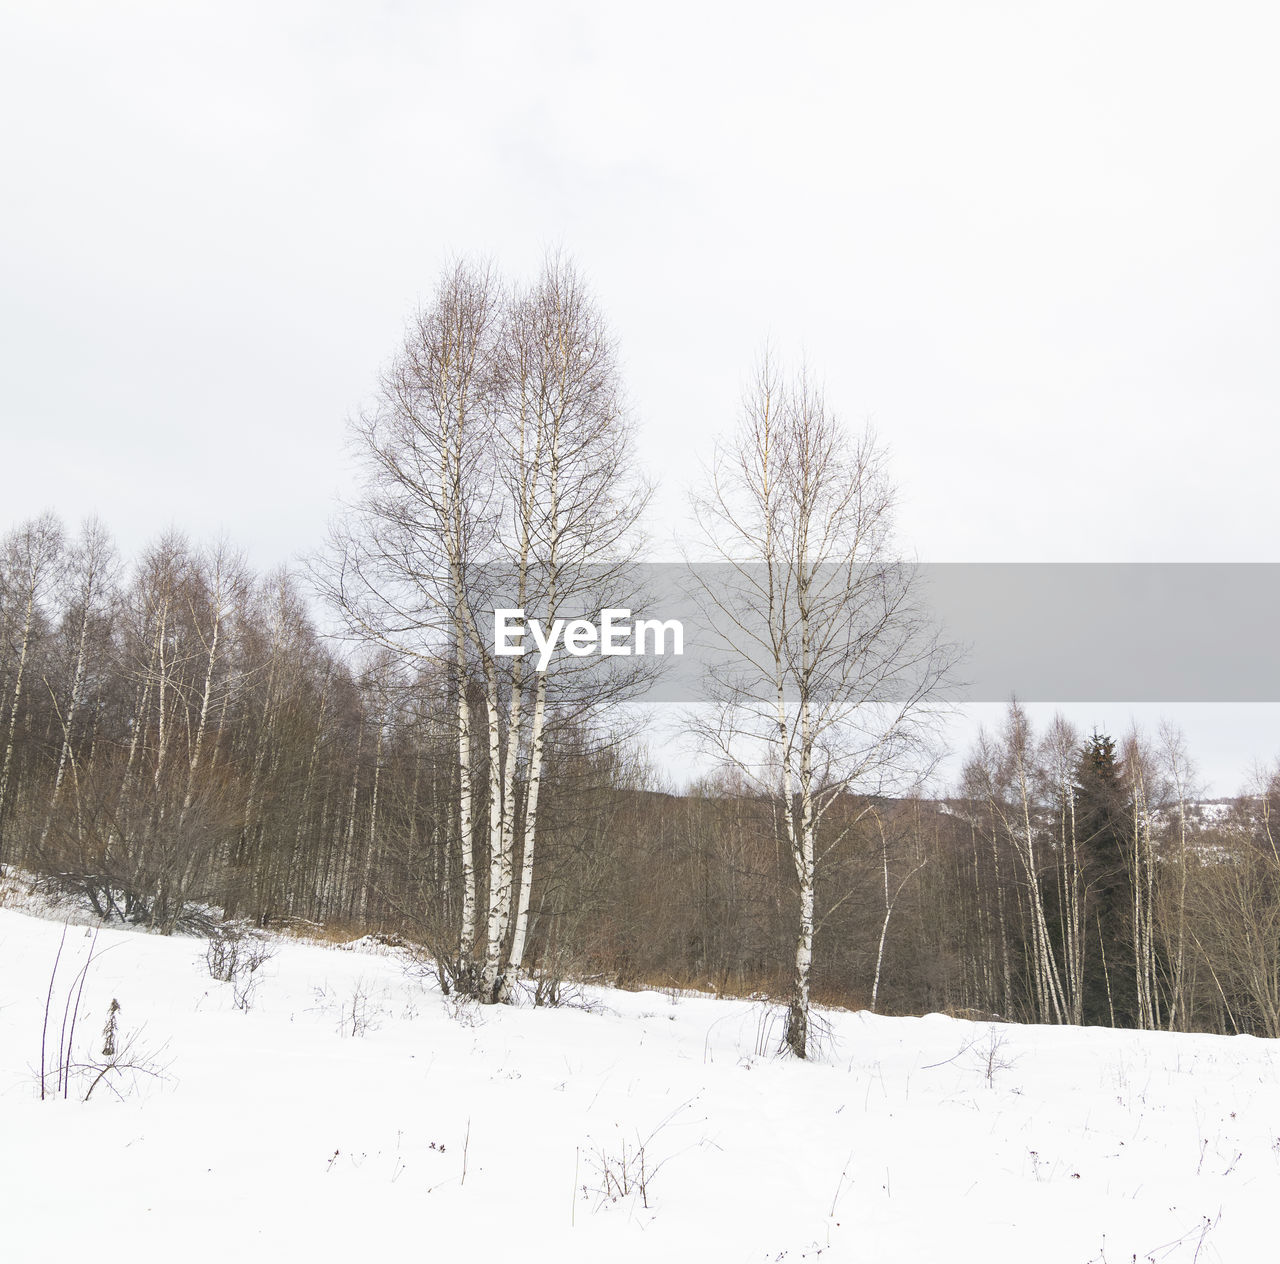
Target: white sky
x: 1036, y: 244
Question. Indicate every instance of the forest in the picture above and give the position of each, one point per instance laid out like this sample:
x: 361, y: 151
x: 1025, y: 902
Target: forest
x: 335, y: 749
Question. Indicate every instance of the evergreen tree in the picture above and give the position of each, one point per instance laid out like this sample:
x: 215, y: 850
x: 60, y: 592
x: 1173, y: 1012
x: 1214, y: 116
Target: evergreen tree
x: 1109, y: 995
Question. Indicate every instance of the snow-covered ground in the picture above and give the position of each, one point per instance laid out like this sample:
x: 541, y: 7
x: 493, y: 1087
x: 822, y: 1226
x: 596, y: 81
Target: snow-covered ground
x: 353, y: 1112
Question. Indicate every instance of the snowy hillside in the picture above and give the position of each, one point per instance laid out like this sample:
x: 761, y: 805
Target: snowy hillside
x: 353, y: 1112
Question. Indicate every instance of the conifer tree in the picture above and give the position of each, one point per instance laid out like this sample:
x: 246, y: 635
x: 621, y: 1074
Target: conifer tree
x: 1100, y: 816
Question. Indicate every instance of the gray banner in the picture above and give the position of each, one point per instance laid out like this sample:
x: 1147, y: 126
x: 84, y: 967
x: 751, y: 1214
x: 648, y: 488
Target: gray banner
x: 1125, y: 632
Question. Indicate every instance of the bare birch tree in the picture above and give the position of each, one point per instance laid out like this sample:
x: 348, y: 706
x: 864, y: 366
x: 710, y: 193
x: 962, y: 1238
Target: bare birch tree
x: 91, y: 577
x: 1146, y: 798
x: 1180, y: 779
x: 498, y: 462
x: 890, y: 897
x: 29, y: 561
x: 834, y: 671
x: 573, y: 504
x: 1059, y: 752
x: 402, y: 567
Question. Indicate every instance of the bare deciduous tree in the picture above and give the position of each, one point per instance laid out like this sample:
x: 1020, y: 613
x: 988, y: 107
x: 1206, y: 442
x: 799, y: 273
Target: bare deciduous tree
x: 834, y: 672
x: 499, y: 471
x: 573, y: 504
x: 29, y: 562
x: 91, y: 578
x: 402, y: 567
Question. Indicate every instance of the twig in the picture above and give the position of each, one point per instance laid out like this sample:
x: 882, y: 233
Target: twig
x: 48, y: 1001
x: 84, y: 974
x: 839, y: 1184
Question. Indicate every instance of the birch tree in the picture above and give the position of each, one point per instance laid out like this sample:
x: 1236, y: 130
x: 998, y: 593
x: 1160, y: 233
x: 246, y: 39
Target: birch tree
x: 1059, y: 753
x: 1146, y: 795
x: 1015, y: 802
x: 498, y: 461
x: 890, y: 897
x: 403, y: 566
x: 1180, y: 776
x: 29, y: 560
x: 573, y: 504
x: 91, y: 577
x: 833, y: 671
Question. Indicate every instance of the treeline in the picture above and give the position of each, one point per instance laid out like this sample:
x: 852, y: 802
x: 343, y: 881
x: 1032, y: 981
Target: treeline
x: 1091, y: 887
x: 180, y: 742
x: 1066, y: 880
x: 178, y: 732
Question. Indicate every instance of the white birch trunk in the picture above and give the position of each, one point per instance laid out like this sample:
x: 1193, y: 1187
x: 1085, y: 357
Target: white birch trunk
x: 197, y: 746
x: 68, y: 720
x: 466, y: 824
x: 521, y: 931
x: 500, y: 860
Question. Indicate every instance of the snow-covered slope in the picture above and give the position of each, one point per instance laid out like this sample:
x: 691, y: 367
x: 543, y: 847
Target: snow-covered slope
x: 353, y: 1112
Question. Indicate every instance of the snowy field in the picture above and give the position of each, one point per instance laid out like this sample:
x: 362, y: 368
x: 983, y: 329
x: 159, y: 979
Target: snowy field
x: 353, y: 1112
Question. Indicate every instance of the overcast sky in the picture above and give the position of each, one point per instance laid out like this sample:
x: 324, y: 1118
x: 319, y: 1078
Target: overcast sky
x: 1038, y: 245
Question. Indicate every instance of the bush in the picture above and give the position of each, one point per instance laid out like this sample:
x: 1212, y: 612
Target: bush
x: 234, y: 955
